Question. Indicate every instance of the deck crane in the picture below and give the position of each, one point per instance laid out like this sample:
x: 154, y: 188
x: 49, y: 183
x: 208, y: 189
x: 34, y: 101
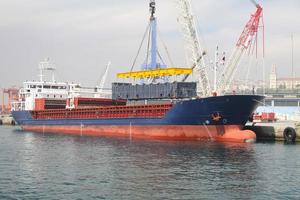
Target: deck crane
x: 246, y: 40
x: 102, y: 81
x: 194, y: 50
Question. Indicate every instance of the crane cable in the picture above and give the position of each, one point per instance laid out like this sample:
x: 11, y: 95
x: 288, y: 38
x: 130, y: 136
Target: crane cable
x: 165, y: 47
x: 141, y: 44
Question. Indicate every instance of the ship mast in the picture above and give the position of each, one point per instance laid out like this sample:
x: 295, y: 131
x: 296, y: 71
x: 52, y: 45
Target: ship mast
x: 46, y: 66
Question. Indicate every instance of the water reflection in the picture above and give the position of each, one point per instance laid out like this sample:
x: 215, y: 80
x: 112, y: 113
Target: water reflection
x: 187, y: 169
x: 112, y: 168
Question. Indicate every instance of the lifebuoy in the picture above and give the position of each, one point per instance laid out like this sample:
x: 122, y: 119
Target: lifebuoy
x: 289, y: 134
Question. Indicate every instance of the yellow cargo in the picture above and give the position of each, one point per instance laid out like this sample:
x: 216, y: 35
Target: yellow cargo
x: 155, y: 73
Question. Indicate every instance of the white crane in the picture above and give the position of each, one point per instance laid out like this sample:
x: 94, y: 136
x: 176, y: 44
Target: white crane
x: 103, y: 79
x: 246, y: 40
x: 194, y: 50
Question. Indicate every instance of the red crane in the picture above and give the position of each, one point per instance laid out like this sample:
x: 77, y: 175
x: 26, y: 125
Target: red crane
x: 245, y: 41
x: 13, y: 95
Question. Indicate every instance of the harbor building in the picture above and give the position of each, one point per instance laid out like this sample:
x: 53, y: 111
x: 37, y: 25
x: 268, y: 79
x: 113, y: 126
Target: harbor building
x: 283, y: 82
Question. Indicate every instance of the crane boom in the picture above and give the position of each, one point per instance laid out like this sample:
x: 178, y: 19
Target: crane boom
x: 246, y: 39
x: 255, y: 3
x: 195, y: 53
x: 103, y: 79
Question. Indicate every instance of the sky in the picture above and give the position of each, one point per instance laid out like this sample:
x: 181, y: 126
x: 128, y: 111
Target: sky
x: 81, y: 37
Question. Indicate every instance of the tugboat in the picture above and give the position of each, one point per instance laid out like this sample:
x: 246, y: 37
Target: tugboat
x: 153, y: 109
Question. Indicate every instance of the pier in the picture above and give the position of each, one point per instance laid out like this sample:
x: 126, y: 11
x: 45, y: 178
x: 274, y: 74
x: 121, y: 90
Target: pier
x: 288, y: 131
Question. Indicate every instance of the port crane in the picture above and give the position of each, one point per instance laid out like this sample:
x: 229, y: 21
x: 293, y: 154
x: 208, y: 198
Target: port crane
x: 154, y: 68
x: 12, y: 94
x: 194, y: 49
x: 244, y: 43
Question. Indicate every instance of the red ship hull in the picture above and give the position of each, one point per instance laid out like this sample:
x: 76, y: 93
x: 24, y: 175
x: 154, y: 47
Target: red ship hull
x: 228, y: 133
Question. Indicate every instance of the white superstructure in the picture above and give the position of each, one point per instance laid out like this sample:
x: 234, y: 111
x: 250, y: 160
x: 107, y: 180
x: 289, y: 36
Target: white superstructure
x: 42, y: 89
x: 32, y: 90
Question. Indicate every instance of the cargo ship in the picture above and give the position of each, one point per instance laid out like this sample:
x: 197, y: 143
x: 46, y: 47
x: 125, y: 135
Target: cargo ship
x: 153, y: 109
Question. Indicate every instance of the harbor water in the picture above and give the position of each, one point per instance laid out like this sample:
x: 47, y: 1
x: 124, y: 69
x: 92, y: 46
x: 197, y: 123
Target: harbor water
x: 53, y: 166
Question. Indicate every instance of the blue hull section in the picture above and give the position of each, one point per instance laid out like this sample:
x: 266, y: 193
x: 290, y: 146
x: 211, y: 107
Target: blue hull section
x: 232, y: 109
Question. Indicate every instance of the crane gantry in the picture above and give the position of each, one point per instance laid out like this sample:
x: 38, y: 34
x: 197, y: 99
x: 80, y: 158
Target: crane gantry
x: 195, y: 52
x: 194, y: 49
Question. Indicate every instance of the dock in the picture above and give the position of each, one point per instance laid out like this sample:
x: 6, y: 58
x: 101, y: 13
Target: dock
x: 288, y: 131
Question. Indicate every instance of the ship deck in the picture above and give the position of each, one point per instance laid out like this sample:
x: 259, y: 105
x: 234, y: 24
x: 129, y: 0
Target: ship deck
x: 105, y: 112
